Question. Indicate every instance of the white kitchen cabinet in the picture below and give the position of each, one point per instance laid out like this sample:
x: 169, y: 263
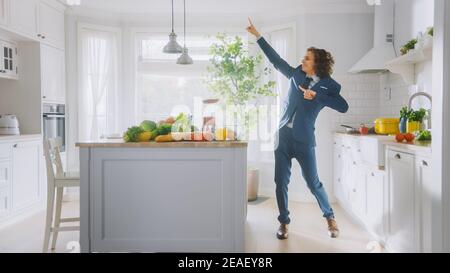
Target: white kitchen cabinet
x: 375, y: 181
x: 338, y: 187
x: 51, y: 24
x: 26, y: 173
x: 23, y: 17
x: 401, y: 224
x: 5, y: 201
x: 53, y: 74
x: 424, y: 197
x: 5, y: 174
x: 4, y: 12
x: 358, y: 189
x: 8, y: 60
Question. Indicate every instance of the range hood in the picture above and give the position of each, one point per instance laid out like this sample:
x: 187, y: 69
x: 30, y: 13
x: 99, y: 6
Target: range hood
x: 383, y: 51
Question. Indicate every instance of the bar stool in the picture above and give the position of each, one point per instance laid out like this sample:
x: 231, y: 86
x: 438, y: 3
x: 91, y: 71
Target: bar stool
x: 57, y: 180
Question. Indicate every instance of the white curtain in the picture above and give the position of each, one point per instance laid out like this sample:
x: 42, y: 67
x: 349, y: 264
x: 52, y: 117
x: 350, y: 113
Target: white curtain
x: 98, y: 92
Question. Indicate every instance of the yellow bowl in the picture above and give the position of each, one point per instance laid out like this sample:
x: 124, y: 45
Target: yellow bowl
x: 387, y: 126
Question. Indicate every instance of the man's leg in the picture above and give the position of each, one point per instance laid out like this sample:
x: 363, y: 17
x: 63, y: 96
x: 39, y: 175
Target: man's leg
x: 306, y: 156
x: 283, y: 173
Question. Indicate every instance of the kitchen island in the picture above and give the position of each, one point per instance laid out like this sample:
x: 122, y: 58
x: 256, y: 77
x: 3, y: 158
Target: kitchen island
x: 163, y: 197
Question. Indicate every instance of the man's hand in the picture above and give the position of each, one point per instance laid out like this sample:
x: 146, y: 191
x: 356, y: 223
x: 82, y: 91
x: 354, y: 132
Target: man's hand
x: 252, y: 30
x: 308, y: 94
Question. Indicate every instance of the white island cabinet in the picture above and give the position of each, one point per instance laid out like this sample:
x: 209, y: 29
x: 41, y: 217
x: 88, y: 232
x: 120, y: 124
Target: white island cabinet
x: 163, y: 197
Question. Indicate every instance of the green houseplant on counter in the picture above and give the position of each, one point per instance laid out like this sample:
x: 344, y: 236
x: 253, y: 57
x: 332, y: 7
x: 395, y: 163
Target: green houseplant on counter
x: 415, y: 120
x: 235, y: 76
x: 404, y: 115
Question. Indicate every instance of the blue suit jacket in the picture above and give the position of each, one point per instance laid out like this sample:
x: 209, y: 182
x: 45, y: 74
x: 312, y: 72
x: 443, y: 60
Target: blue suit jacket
x: 328, y: 94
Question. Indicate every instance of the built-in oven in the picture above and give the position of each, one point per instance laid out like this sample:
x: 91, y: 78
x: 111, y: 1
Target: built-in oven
x: 54, y: 119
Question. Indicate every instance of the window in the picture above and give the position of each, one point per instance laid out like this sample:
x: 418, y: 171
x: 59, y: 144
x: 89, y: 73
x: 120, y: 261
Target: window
x: 162, y: 84
x: 98, y: 96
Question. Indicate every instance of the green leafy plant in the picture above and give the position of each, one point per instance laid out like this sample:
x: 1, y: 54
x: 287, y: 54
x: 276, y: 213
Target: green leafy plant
x: 424, y: 136
x: 430, y: 31
x: 405, y: 112
x: 408, y: 46
x: 236, y: 76
x: 417, y: 115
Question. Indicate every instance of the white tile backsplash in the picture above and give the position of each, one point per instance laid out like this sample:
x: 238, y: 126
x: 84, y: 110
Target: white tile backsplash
x: 380, y: 95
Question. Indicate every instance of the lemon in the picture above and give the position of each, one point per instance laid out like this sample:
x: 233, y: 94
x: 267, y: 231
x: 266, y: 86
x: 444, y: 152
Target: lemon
x: 223, y: 134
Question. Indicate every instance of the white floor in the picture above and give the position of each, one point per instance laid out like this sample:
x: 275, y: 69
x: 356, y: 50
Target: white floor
x: 308, y: 231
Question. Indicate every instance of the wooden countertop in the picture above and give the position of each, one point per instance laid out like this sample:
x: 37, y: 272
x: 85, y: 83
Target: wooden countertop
x: 118, y: 143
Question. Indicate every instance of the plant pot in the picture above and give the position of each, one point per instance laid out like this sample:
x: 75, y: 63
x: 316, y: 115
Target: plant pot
x: 402, y: 125
x: 252, y: 184
x: 413, y: 126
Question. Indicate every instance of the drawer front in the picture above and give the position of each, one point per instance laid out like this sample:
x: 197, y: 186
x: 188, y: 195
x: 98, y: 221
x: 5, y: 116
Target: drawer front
x: 401, y: 157
x: 5, y: 151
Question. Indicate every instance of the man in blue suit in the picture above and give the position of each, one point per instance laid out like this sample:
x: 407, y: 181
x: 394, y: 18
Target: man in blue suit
x: 311, y: 88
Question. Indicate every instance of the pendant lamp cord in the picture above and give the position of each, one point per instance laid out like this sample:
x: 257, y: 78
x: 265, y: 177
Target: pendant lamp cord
x: 172, y: 19
x: 184, y: 2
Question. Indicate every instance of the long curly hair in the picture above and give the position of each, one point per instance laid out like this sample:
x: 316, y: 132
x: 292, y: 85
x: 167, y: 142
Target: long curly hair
x: 324, y: 62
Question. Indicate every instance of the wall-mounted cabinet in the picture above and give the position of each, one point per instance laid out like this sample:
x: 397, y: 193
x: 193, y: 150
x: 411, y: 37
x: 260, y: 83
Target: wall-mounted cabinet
x: 53, y: 74
x: 8, y: 60
x: 41, y: 20
x: 4, y: 12
x: 23, y: 17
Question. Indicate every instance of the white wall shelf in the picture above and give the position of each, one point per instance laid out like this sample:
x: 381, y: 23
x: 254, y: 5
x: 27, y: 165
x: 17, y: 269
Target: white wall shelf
x: 405, y: 65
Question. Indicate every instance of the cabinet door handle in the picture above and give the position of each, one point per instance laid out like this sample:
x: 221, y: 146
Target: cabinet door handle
x: 15, y: 145
x: 354, y: 163
x: 39, y: 35
x: 424, y: 163
x: 398, y: 156
x: 359, y: 150
x: 43, y: 36
x: 339, y: 156
x: 372, y: 174
x: 354, y: 190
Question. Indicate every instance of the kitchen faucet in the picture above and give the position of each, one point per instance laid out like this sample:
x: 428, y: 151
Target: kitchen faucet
x: 422, y: 94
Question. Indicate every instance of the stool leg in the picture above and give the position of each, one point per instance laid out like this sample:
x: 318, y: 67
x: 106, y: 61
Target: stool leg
x: 49, y: 217
x: 59, y: 197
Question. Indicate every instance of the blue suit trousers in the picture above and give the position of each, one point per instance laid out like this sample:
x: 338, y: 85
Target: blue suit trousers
x: 287, y: 148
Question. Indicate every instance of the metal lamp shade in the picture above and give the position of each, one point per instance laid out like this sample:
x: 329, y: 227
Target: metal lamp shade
x: 185, y: 59
x: 173, y: 47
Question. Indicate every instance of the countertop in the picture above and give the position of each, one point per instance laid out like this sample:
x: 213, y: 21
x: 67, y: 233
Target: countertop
x: 416, y: 146
x: 18, y: 137
x: 118, y: 143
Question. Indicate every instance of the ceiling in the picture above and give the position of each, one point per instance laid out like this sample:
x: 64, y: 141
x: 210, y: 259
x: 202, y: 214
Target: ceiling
x: 220, y: 7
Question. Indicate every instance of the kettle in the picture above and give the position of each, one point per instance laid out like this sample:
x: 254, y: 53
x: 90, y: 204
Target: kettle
x: 9, y: 125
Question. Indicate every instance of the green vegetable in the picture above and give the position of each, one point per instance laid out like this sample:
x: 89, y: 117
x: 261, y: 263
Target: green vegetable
x: 132, y: 134
x: 182, y: 123
x: 405, y: 112
x: 148, y: 125
x: 164, y: 129
x: 417, y: 115
x: 424, y: 136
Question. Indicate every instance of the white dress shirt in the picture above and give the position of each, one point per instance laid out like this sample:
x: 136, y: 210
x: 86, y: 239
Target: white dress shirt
x: 314, y: 81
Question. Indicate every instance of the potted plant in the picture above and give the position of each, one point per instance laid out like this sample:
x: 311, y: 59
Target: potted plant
x: 404, y: 114
x: 408, y: 46
x: 415, y: 120
x: 237, y: 78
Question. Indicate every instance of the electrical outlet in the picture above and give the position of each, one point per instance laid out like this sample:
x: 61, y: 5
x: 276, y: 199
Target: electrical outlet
x: 387, y: 93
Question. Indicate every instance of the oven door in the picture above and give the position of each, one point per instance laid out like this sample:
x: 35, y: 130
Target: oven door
x: 54, y: 127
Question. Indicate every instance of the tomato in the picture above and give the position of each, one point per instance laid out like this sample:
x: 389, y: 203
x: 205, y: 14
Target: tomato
x: 400, y: 137
x: 410, y: 137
